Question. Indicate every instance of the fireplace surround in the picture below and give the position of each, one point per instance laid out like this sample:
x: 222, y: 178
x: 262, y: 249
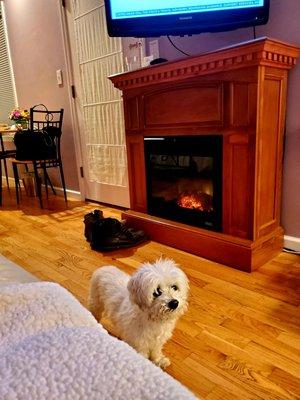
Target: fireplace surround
x: 239, y: 94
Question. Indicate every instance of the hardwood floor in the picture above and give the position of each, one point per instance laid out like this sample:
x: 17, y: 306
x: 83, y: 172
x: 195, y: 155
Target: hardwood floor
x: 240, y: 338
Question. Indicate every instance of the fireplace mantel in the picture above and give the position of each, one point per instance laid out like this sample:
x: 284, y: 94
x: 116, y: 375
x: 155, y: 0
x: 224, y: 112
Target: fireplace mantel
x: 240, y: 93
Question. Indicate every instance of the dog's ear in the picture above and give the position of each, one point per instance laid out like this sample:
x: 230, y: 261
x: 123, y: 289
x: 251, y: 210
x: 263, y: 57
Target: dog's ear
x: 136, y: 290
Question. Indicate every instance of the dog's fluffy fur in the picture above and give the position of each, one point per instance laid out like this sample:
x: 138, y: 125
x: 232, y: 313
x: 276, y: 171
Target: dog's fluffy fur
x: 140, y: 307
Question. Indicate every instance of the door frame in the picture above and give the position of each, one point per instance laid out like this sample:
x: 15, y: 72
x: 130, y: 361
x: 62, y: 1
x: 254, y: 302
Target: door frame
x: 77, y: 123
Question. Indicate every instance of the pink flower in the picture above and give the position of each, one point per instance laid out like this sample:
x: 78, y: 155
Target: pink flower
x: 18, y: 114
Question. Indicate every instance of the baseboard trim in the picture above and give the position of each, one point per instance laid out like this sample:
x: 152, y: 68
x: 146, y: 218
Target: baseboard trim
x: 291, y: 242
x: 74, y: 194
x: 11, y: 181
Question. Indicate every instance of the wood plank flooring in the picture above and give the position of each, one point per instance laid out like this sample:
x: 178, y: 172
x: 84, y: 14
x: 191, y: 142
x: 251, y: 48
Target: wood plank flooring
x: 240, y: 338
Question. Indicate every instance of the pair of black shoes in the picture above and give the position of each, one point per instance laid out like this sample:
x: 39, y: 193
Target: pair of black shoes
x: 106, y: 234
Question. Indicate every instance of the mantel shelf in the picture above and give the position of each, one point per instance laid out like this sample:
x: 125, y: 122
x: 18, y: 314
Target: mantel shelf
x: 262, y: 51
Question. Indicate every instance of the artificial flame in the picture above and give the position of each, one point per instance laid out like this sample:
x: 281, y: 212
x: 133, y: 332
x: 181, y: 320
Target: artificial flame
x: 196, y: 201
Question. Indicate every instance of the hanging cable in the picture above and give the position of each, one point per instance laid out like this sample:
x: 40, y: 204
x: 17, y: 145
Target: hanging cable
x: 177, y: 48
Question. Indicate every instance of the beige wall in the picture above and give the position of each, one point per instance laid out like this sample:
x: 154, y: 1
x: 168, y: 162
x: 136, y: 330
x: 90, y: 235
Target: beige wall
x: 284, y: 24
x: 36, y: 45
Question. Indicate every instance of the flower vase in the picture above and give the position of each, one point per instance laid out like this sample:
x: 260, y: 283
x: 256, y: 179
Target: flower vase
x: 24, y: 125
x: 21, y: 124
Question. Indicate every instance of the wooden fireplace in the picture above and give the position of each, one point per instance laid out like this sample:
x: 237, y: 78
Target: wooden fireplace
x: 240, y: 93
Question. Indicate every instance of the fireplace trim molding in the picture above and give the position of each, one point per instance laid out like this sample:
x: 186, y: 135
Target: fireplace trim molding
x: 240, y: 93
x: 263, y: 51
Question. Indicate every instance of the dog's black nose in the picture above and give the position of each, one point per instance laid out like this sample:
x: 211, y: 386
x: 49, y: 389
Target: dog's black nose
x: 173, y: 304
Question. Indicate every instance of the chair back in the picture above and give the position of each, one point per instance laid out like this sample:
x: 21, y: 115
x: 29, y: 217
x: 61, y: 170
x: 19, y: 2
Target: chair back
x: 42, y: 119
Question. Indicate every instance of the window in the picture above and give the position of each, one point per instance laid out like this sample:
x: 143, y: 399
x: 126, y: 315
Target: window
x: 7, y: 94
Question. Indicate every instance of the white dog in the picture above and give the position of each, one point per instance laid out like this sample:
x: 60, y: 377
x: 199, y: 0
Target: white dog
x: 144, y: 307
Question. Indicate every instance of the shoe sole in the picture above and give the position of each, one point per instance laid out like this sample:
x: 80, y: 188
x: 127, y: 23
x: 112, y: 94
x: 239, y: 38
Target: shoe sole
x: 125, y: 246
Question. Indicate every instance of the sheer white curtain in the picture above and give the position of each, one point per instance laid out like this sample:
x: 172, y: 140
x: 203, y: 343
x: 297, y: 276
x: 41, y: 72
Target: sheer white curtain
x: 99, y: 56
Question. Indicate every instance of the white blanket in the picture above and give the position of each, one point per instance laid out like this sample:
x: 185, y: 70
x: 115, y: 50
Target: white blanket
x: 52, y: 348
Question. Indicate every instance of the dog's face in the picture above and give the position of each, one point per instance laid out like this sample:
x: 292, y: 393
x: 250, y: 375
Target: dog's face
x: 160, y: 289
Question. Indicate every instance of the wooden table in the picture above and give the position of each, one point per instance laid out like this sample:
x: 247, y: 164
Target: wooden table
x: 4, y: 132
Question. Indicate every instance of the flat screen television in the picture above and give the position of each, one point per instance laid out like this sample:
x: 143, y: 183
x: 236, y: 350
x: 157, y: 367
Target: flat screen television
x: 152, y: 18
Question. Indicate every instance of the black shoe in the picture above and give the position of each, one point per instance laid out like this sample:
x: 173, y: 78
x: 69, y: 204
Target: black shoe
x: 106, y: 234
x: 112, y: 234
x: 90, y: 220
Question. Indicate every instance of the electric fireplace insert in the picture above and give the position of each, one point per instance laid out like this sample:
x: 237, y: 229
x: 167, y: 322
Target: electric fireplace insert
x: 184, y: 179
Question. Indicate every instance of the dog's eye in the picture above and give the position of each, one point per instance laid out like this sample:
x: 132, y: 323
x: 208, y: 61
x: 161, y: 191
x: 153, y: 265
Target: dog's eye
x: 157, y: 292
x: 174, y: 287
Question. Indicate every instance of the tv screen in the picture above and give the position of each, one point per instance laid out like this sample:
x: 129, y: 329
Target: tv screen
x: 146, y: 18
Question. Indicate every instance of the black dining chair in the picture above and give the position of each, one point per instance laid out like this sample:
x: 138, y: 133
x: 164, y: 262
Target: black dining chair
x: 4, y: 155
x: 43, y: 121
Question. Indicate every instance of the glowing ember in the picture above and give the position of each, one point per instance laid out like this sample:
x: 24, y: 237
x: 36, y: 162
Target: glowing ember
x: 196, y: 201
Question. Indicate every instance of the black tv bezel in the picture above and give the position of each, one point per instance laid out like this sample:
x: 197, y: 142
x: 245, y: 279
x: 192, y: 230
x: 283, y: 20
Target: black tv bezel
x: 186, y: 24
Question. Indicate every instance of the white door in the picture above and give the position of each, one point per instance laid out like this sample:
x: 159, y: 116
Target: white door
x: 99, y: 105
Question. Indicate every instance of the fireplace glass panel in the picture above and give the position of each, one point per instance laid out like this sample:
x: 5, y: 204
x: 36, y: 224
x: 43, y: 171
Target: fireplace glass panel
x: 184, y: 179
